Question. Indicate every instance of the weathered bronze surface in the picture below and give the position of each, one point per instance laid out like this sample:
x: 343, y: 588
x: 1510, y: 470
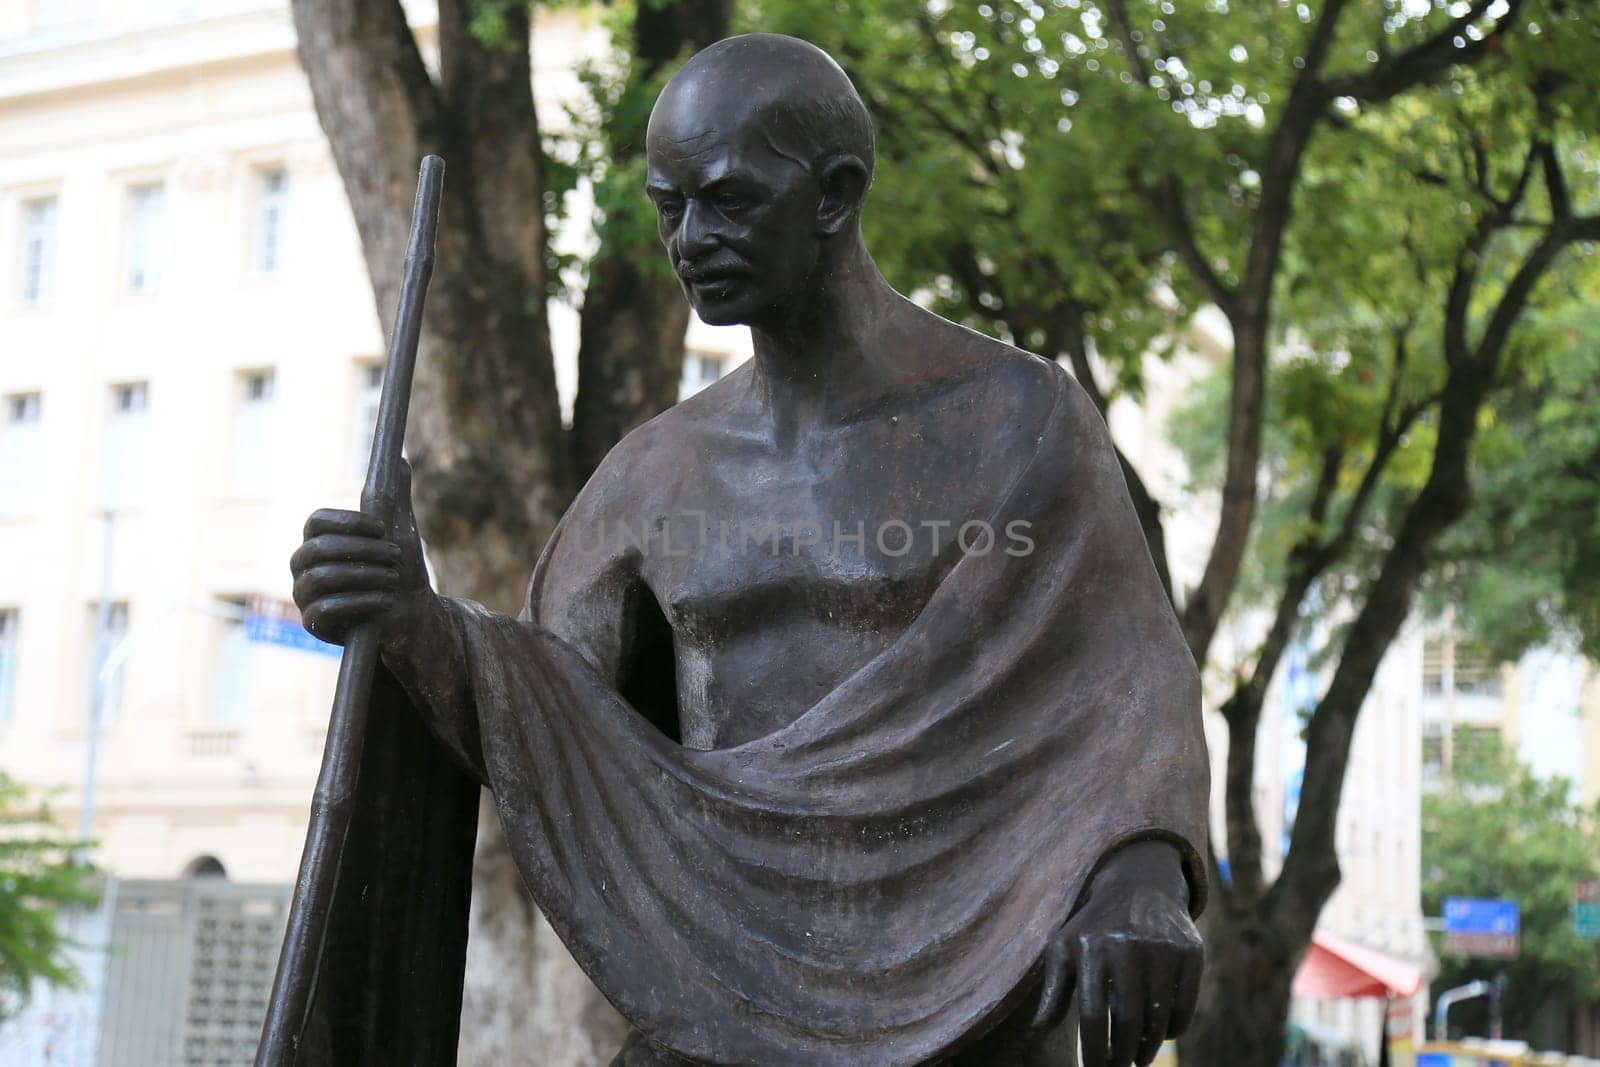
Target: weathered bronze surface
x: 846, y: 721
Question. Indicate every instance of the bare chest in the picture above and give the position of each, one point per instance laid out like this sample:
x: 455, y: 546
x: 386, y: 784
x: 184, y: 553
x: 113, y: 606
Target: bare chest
x: 781, y: 575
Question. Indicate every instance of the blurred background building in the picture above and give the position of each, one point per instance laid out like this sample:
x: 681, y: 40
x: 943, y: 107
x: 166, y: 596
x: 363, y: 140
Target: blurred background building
x: 1545, y: 707
x: 184, y: 301
x: 182, y: 297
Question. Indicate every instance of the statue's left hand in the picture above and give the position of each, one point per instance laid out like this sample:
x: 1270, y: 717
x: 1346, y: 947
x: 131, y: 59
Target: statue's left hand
x: 1134, y: 956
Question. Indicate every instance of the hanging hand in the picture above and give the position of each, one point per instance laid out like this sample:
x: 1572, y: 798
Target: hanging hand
x: 1133, y: 955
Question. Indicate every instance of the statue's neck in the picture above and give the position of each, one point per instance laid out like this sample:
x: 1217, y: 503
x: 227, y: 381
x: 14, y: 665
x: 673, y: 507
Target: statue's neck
x: 832, y: 357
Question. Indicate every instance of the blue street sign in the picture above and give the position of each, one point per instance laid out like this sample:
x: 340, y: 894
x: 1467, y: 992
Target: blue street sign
x: 287, y: 633
x: 1478, y: 915
x: 1487, y: 929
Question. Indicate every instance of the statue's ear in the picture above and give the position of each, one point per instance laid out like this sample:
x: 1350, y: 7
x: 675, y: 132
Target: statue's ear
x: 843, y: 179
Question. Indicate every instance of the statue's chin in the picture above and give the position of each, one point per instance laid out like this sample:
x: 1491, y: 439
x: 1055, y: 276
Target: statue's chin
x: 723, y: 312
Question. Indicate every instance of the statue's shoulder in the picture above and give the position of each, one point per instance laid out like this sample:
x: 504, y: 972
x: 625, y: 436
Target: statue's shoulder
x: 1000, y: 378
x: 648, y: 458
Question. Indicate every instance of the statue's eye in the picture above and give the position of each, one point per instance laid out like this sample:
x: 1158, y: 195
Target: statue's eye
x: 731, y: 203
x: 669, y: 207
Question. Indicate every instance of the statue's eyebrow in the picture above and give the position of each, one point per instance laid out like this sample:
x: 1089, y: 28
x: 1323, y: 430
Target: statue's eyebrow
x: 664, y: 188
x: 733, y: 177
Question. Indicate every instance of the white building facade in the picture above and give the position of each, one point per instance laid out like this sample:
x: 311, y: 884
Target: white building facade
x: 182, y: 293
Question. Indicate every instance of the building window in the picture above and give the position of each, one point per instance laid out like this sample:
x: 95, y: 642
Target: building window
x: 1475, y: 673
x: 700, y: 369
x: 1433, y: 664
x: 369, y: 389
x: 1433, y: 754
x: 19, y: 454
x: 147, y: 205
x: 235, y: 662
x: 252, y: 431
x: 38, y: 250
x: 272, y: 203
x: 125, y: 444
x: 107, y: 631
x: 10, y: 656
x: 1462, y: 668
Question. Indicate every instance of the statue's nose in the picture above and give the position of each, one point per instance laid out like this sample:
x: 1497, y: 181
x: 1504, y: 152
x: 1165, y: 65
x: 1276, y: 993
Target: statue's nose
x: 695, y: 236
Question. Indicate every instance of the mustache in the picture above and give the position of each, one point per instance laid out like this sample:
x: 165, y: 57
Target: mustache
x: 711, y: 270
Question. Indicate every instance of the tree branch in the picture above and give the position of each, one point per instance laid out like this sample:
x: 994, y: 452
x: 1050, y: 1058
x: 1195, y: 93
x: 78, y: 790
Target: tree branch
x: 1308, y: 560
x: 1555, y: 182
x: 1123, y: 26
x: 1395, y: 73
x: 485, y: 339
x: 1166, y: 199
x: 1250, y: 315
x: 1310, y: 870
x: 1562, y: 233
x: 380, y: 111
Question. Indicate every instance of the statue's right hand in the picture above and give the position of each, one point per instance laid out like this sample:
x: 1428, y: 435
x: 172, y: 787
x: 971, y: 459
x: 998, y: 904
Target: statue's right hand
x: 351, y: 570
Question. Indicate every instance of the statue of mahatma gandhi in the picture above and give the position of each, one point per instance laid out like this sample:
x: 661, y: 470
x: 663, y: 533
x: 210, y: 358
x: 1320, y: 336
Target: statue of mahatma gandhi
x: 846, y: 721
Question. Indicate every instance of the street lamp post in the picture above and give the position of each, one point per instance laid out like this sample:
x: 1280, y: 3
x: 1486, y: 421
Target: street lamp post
x: 1449, y: 997
x: 97, y: 685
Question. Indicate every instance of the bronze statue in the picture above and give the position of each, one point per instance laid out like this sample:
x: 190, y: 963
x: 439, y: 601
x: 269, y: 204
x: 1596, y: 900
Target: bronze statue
x: 846, y: 721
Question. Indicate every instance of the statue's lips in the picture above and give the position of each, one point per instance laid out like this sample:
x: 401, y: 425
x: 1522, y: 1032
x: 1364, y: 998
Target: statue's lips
x: 710, y: 281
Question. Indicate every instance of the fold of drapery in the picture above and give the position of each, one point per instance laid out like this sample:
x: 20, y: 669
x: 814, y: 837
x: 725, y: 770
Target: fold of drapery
x: 388, y: 987
x: 874, y: 883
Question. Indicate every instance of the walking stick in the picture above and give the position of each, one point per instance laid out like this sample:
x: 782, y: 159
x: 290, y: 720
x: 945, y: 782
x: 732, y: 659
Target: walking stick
x: 295, y: 984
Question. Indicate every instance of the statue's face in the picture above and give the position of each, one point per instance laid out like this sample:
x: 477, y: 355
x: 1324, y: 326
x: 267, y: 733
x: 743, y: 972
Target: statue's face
x: 739, y: 221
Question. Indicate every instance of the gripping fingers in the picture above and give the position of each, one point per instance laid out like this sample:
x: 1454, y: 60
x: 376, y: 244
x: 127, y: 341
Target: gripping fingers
x: 342, y: 548
x: 332, y: 579
x: 332, y: 617
x: 340, y: 521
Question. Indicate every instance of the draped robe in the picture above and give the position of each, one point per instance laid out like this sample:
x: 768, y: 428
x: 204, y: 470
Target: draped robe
x: 872, y: 884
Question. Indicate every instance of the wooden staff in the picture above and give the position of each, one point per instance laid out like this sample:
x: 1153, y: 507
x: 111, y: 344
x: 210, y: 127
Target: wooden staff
x: 295, y: 984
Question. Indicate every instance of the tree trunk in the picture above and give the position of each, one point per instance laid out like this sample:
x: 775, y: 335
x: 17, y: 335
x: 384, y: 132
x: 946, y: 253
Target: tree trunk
x: 630, y: 351
x: 494, y: 468
x: 1244, y: 1001
x: 524, y: 991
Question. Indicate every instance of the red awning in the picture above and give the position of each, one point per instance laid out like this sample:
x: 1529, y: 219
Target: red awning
x: 1336, y: 969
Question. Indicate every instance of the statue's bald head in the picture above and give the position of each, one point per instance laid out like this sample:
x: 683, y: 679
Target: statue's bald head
x: 796, y: 96
x: 759, y: 158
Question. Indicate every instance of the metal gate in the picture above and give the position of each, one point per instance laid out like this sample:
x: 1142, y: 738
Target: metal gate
x: 174, y: 974
x: 189, y: 971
